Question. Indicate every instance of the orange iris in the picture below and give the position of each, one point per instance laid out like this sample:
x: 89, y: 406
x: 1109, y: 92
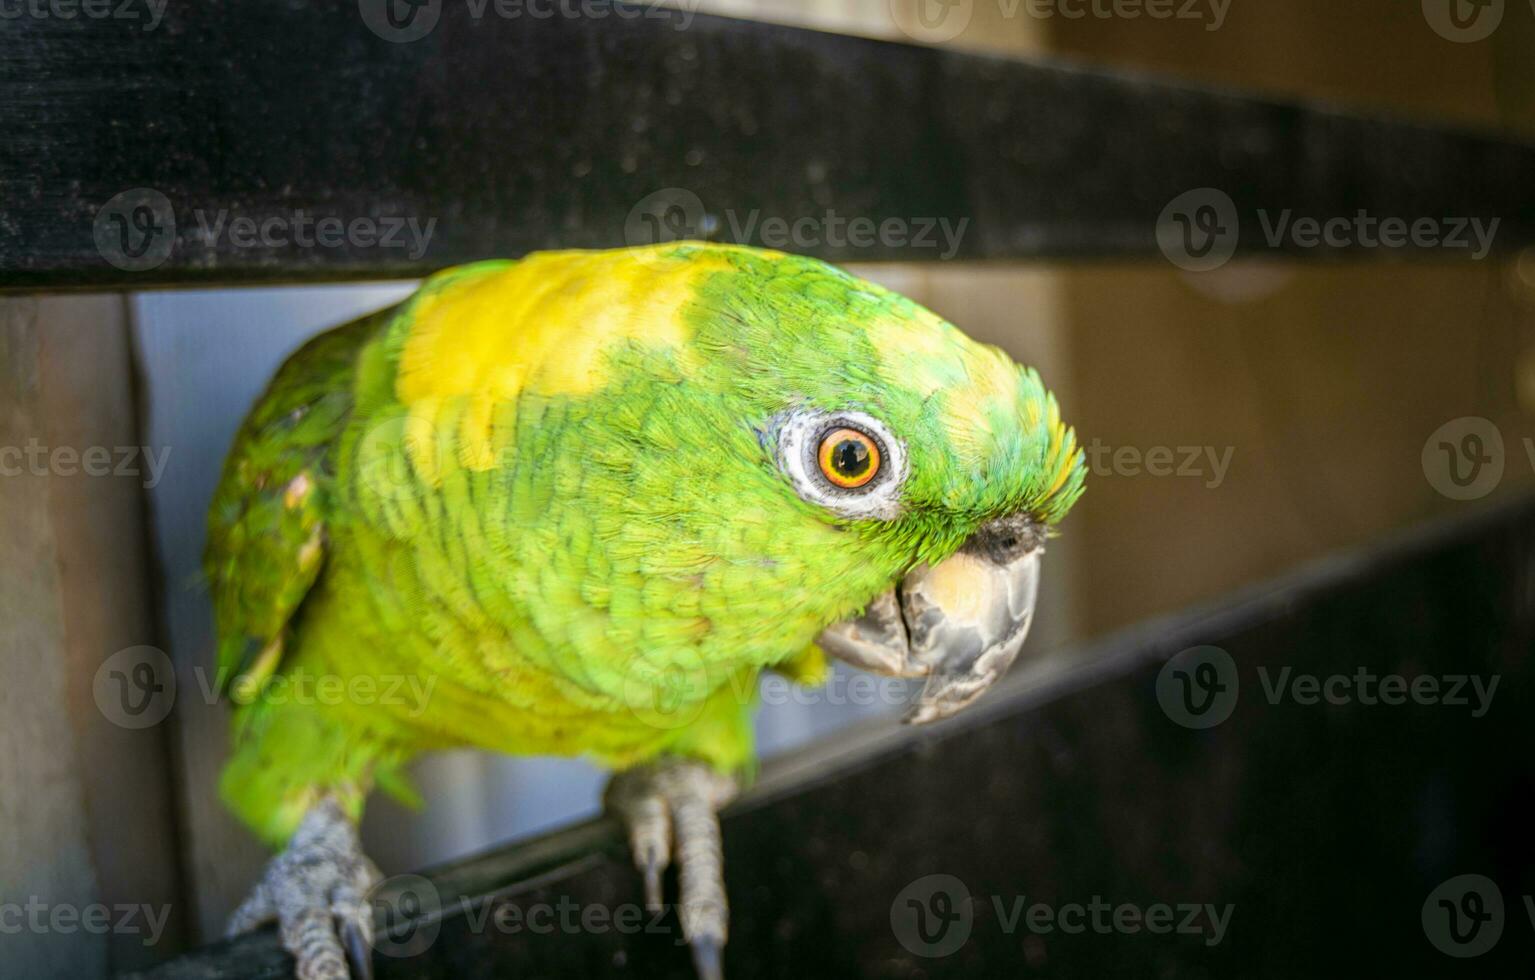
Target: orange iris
x: 848, y: 458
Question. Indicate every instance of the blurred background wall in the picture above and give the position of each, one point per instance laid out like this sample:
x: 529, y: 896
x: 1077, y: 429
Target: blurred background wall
x: 1291, y: 403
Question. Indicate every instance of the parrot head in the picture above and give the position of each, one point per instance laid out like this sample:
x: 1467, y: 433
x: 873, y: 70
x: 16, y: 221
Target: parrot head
x: 899, y: 428
x: 786, y: 453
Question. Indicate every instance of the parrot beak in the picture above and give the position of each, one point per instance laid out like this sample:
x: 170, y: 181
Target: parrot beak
x: 959, y: 623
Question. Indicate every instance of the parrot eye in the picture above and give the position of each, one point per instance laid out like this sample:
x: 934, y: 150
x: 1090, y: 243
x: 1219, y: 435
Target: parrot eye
x: 848, y: 458
x: 848, y: 462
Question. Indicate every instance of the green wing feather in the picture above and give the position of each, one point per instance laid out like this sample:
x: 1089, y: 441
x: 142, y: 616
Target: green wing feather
x: 267, y: 525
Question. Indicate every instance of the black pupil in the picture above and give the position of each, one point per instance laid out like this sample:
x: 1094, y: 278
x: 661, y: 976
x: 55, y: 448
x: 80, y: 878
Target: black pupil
x: 851, y: 458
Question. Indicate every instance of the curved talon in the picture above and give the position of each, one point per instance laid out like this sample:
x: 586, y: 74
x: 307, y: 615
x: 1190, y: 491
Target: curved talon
x: 670, y: 807
x: 317, y: 890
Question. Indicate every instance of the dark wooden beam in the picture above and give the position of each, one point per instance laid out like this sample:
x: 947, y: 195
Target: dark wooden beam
x: 153, y: 151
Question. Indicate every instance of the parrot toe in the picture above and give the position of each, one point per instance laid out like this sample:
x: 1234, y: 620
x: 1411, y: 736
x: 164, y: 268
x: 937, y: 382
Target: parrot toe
x: 670, y: 807
x: 317, y: 890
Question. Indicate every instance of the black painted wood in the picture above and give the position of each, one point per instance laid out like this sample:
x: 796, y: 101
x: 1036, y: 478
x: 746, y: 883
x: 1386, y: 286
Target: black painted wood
x: 166, y: 142
x: 1325, y: 828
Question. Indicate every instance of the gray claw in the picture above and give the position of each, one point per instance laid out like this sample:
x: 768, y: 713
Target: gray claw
x: 359, y: 952
x: 669, y: 808
x: 652, y: 873
x: 707, y: 959
x: 317, y: 891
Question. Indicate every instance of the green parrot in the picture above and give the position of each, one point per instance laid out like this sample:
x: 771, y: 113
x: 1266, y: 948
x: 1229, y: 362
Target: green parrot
x: 574, y: 504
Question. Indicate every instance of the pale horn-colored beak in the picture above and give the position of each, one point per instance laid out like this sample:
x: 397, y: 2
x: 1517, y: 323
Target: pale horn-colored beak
x: 959, y: 623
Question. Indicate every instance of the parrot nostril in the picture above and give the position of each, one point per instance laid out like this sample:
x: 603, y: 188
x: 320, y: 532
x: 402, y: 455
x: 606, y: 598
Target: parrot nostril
x: 1006, y: 539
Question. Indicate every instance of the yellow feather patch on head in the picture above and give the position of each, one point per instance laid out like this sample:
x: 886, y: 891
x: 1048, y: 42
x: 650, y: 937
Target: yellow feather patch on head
x: 544, y: 325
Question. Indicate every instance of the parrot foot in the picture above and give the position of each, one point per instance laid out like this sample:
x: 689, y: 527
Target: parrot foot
x: 670, y: 807
x: 317, y: 891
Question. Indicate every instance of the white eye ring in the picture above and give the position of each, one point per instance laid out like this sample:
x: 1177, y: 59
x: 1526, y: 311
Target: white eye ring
x: 799, y: 440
